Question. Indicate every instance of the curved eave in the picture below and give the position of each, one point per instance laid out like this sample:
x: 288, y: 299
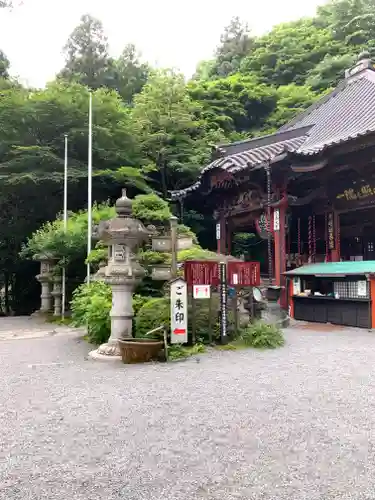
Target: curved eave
x: 247, y: 160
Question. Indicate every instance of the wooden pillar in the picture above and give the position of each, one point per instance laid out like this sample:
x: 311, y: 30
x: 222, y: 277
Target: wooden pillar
x: 229, y: 239
x: 221, y: 235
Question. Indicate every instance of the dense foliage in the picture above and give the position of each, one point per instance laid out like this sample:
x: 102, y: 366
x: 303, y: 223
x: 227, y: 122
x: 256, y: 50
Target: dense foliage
x: 152, y: 130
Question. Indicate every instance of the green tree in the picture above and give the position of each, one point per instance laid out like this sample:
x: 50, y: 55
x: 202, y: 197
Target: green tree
x: 204, y: 70
x: 329, y: 71
x: 33, y: 125
x: 235, y: 103
x: 351, y: 21
x: 289, y: 52
x: 172, y: 138
x: 86, y: 54
x: 4, y: 65
x: 291, y: 100
x: 235, y: 44
x: 129, y: 73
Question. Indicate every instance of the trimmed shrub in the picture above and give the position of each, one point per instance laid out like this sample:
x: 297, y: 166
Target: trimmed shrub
x: 156, y: 312
x: 262, y: 336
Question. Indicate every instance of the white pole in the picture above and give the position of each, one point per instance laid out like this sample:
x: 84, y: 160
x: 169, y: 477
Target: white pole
x: 89, y: 188
x: 65, y: 221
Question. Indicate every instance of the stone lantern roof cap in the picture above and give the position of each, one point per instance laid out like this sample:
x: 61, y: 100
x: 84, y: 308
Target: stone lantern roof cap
x: 124, y: 205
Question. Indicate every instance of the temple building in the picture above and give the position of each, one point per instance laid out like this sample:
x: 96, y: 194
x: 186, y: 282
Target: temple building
x: 309, y: 189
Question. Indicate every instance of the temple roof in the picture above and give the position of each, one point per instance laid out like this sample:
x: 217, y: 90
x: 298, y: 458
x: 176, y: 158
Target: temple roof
x: 348, y: 112
x: 345, y: 114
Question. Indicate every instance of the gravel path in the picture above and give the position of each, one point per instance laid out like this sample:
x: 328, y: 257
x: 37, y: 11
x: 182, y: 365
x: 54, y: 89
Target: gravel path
x: 296, y: 423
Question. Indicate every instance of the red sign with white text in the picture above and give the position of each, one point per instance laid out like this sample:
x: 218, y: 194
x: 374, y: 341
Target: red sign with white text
x: 243, y: 273
x: 201, y: 272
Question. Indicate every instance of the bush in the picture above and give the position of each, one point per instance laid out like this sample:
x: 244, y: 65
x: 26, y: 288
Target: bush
x: 156, y: 312
x: 262, y: 336
x: 151, y: 209
x: 91, y: 305
x: 67, y: 246
x: 152, y: 314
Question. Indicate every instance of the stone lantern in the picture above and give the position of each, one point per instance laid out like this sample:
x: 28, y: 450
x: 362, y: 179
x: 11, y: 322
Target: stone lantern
x: 123, y: 235
x: 47, y: 263
x: 57, y: 295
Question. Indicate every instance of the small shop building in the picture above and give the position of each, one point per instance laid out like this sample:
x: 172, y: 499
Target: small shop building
x: 308, y: 192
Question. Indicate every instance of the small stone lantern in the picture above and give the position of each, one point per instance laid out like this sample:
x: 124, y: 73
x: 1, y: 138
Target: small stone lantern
x: 45, y: 277
x: 57, y: 295
x: 123, y: 235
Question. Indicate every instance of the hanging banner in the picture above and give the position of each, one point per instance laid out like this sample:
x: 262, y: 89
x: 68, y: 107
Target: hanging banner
x: 218, y: 231
x: 179, y: 314
x: 276, y: 219
x: 262, y: 225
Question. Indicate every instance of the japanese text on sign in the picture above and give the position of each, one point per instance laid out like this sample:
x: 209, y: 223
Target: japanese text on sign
x: 243, y: 273
x: 223, y: 302
x: 276, y: 220
x: 179, y: 319
x: 201, y: 272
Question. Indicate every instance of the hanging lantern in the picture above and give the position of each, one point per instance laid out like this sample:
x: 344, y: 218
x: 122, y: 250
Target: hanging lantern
x: 262, y: 225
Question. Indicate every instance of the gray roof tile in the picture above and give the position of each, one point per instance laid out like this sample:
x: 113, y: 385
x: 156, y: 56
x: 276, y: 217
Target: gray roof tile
x: 346, y: 113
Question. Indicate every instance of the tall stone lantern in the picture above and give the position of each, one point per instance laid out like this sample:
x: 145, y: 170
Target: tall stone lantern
x: 123, y: 235
x: 47, y: 263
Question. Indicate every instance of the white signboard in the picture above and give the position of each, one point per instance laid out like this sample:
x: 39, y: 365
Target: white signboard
x: 361, y: 288
x: 296, y: 286
x: 179, y: 317
x: 218, y: 232
x: 276, y: 219
x: 201, y: 291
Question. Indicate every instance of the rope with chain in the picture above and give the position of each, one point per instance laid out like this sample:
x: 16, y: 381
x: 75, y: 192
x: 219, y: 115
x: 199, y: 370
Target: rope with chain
x: 326, y: 237
x: 309, y: 229
x: 299, y: 239
x: 269, y: 242
x: 314, y: 238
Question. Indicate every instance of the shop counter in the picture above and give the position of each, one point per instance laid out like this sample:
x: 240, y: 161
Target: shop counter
x: 341, y: 293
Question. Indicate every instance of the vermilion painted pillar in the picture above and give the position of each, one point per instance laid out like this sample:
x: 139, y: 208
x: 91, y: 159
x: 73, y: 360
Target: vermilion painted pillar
x: 229, y: 239
x: 279, y: 216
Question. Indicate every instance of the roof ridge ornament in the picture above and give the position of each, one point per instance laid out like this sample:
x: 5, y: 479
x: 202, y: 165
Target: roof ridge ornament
x: 364, y: 62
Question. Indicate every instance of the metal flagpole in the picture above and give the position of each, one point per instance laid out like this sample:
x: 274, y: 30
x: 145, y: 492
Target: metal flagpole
x: 89, y: 187
x: 65, y: 221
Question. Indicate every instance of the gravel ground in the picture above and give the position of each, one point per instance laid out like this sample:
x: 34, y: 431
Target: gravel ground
x: 296, y: 423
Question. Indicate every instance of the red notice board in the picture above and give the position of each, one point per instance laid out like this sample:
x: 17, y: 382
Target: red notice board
x: 243, y: 273
x: 201, y: 272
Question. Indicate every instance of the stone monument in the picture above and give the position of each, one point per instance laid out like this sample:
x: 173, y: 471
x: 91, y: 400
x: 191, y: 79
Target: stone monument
x: 123, y: 235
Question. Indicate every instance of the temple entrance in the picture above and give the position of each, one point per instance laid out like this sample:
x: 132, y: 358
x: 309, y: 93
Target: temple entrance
x: 358, y: 235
